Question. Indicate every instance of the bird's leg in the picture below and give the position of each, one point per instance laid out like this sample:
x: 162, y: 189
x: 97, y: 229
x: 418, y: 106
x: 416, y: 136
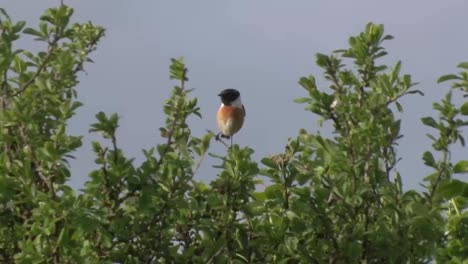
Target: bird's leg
x: 231, y: 140
x: 217, y: 136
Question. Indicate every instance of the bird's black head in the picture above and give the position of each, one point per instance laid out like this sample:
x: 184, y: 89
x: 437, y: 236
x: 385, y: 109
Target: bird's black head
x: 228, y: 96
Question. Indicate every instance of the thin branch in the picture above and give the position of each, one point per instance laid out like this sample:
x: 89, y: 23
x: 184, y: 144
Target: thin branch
x: 197, y: 166
x: 286, y: 189
x: 39, y: 69
x: 365, y: 243
x: 326, y: 222
x: 91, y: 47
x: 5, y: 91
x: 441, y: 172
x: 40, y: 178
x: 251, y: 237
x: 173, y: 124
x: 116, y: 149
x: 217, y: 253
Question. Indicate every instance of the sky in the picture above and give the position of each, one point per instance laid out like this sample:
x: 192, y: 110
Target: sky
x: 261, y: 48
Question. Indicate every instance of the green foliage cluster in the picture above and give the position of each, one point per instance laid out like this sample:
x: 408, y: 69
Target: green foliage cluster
x: 336, y: 199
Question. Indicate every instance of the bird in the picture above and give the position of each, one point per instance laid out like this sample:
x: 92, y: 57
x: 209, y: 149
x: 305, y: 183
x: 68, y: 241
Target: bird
x: 231, y: 114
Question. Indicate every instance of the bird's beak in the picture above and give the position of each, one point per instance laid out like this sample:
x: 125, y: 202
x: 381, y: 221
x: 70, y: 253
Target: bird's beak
x: 219, y: 94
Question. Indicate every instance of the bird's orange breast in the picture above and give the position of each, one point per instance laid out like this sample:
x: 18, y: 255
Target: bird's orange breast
x: 230, y: 119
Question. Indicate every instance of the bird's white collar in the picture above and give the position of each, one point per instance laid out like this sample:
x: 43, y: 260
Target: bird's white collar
x: 237, y: 102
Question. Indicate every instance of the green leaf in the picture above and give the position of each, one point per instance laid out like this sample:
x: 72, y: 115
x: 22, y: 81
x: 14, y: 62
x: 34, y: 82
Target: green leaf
x: 302, y: 100
x: 398, y: 106
x: 177, y: 69
x: 322, y: 60
x: 276, y: 220
x: 31, y: 31
x: 463, y: 65
x: 464, y: 109
x: 380, y: 54
x: 447, y: 78
x: 428, y: 159
x: 395, y: 72
x: 269, y: 163
x: 114, y: 119
x: 461, y: 167
x: 259, y: 196
x: 450, y: 189
x: 3, y: 12
x: 43, y: 27
x: 429, y: 121
x: 415, y: 92
x: 388, y: 37
x: 17, y: 28
x: 308, y: 83
x: 274, y: 191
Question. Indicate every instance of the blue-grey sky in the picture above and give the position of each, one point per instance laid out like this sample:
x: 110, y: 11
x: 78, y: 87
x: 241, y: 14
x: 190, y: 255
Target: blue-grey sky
x: 258, y: 47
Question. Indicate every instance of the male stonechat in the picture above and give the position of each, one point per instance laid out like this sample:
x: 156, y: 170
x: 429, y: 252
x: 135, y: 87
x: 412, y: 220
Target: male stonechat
x: 231, y: 114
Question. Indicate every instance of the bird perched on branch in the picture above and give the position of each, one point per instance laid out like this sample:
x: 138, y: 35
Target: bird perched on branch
x: 231, y: 114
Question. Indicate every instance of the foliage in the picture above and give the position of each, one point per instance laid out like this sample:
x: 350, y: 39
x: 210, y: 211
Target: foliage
x: 39, y: 221
x: 446, y: 191
x: 335, y: 199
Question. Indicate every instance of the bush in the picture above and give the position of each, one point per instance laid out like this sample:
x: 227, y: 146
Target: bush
x: 336, y: 199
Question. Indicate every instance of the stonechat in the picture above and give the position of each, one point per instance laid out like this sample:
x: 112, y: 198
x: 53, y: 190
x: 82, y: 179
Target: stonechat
x: 231, y: 114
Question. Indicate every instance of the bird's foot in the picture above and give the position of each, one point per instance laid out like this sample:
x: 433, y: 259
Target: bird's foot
x: 220, y: 135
